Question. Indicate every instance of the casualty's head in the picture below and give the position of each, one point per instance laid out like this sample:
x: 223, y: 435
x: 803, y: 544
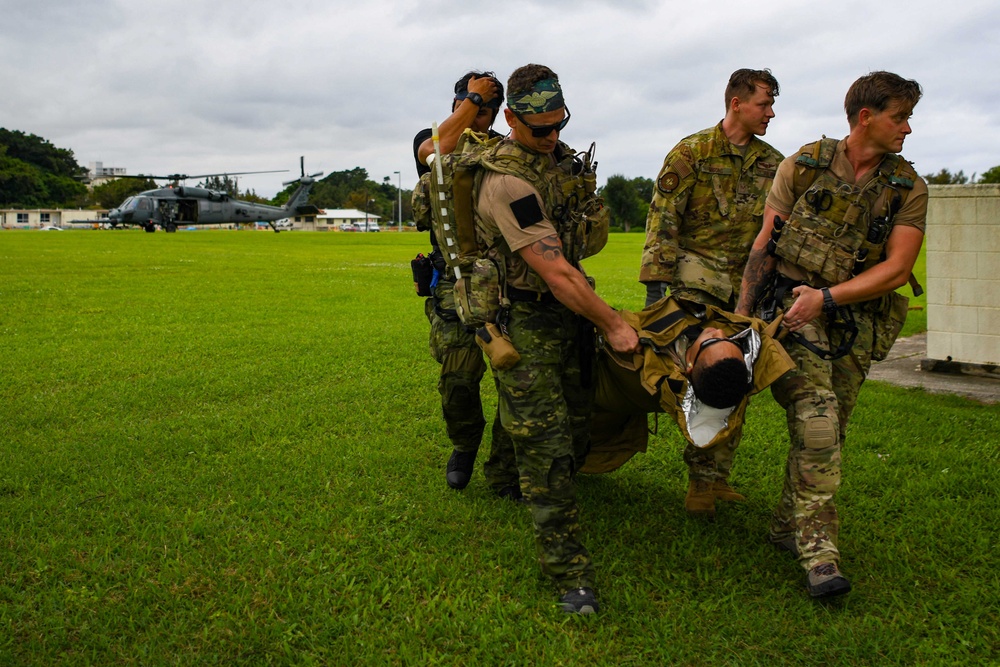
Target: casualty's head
x: 536, y: 110
x: 717, y: 370
x: 488, y: 112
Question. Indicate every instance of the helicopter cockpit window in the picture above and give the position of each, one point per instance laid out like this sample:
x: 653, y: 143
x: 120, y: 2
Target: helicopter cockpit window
x: 144, y: 204
x: 128, y: 203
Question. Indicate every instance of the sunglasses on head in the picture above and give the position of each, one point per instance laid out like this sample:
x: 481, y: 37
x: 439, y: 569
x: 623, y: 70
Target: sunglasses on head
x: 712, y: 341
x: 539, y: 131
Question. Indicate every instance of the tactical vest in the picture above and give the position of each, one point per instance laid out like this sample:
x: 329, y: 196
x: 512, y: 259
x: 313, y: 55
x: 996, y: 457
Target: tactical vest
x: 568, y: 191
x: 837, y: 229
x: 447, y: 199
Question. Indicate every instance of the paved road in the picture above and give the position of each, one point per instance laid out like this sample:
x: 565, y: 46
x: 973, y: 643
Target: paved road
x: 902, y: 368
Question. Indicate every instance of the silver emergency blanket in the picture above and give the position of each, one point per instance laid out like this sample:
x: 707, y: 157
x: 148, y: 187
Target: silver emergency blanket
x: 705, y: 422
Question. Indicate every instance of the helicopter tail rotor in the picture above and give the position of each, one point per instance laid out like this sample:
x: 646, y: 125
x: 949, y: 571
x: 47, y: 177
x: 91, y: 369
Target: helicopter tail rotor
x: 302, y: 174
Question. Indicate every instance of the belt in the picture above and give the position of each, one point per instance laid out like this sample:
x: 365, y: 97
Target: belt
x: 517, y: 294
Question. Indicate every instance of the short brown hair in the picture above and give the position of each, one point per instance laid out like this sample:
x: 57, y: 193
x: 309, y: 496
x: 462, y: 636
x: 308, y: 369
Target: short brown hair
x: 743, y: 83
x: 523, y: 78
x: 876, y: 91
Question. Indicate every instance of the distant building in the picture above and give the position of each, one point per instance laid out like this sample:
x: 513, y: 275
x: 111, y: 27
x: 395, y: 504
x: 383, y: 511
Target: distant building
x: 17, y: 218
x: 98, y: 174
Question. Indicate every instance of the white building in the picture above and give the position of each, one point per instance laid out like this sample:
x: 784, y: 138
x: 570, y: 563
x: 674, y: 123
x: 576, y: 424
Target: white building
x: 19, y: 218
x: 98, y: 174
x: 333, y: 218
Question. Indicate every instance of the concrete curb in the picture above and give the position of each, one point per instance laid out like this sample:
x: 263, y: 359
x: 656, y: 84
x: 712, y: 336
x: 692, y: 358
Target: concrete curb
x: 907, y: 366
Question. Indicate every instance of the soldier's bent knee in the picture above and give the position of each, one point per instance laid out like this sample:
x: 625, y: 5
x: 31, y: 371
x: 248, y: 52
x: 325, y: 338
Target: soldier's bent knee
x: 820, y: 433
x: 462, y: 398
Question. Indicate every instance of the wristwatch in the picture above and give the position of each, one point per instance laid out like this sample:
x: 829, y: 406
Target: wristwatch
x: 829, y: 305
x: 476, y: 99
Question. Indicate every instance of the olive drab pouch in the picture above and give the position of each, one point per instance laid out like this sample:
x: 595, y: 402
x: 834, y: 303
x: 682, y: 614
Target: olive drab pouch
x: 887, y: 322
x: 477, y: 293
x: 596, y: 224
x: 497, y: 347
x: 420, y: 201
x: 580, y: 213
x: 816, y: 253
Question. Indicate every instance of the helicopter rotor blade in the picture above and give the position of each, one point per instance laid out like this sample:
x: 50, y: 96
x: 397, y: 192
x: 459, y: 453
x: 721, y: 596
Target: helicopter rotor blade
x: 184, y: 177
x: 302, y: 173
x: 235, y: 173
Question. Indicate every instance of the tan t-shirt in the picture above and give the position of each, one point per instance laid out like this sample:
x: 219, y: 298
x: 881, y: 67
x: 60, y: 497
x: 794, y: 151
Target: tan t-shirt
x: 496, y: 217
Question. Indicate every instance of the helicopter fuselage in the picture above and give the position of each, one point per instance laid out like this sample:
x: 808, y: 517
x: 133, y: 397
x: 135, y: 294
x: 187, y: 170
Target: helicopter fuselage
x: 171, y: 207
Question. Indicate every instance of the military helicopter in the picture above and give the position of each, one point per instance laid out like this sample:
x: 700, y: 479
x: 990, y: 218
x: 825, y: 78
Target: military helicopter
x: 185, y: 205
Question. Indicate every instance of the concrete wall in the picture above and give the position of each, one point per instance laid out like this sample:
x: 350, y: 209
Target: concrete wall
x: 963, y: 273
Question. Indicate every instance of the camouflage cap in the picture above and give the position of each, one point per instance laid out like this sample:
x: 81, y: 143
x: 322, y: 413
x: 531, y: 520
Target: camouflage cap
x: 545, y: 95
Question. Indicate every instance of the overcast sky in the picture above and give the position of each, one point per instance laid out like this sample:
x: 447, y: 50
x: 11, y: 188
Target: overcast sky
x: 203, y: 86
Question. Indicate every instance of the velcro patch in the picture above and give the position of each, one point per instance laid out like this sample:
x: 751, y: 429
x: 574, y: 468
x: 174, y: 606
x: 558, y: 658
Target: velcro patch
x: 668, y: 182
x: 526, y: 211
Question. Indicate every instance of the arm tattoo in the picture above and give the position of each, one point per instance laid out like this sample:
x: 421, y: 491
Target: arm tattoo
x: 756, y: 276
x: 549, y: 248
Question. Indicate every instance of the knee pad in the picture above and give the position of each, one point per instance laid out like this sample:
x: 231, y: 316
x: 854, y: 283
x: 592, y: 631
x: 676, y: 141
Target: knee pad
x: 820, y: 432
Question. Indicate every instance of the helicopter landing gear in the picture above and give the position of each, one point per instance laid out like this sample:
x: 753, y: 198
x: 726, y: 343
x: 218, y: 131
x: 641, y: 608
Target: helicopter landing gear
x: 170, y: 227
x: 149, y: 227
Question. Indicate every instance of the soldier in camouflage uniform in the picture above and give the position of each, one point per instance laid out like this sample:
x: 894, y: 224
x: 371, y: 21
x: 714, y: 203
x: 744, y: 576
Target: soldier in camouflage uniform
x: 544, y: 399
x: 861, y: 202
x: 707, y: 208
x: 476, y: 105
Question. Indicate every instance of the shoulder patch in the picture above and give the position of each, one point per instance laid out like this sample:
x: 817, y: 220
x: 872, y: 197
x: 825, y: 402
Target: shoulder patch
x: 668, y: 182
x: 526, y: 211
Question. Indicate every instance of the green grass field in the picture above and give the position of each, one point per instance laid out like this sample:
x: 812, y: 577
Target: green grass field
x: 225, y: 448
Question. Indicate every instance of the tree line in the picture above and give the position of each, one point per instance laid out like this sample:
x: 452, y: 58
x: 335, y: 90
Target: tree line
x: 36, y: 174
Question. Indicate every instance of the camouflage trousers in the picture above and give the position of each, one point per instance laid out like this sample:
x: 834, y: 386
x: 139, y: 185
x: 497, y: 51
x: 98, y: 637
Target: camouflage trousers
x: 462, y: 370
x: 714, y: 463
x: 818, y: 397
x: 545, y: 407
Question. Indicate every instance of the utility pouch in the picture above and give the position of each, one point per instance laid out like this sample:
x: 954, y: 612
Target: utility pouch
x: 497, y: 347
x: 420, y: 204
x: 596, y: 225
x: 887, y: 322
x: 815, y: 253
x: 423, y: 274
x: 477, y: 293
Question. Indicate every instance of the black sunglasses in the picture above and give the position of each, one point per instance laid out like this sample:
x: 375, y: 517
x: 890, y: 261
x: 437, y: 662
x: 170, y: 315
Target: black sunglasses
x: 712, y: 341
x: 539, y: 131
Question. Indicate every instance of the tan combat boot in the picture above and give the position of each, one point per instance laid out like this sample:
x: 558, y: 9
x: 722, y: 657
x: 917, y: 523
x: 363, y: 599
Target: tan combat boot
x: 725, y: 492
x: 700, y: 499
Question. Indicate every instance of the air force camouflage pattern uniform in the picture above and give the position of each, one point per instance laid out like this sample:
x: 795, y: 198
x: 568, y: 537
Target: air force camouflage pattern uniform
x: 707, y: 209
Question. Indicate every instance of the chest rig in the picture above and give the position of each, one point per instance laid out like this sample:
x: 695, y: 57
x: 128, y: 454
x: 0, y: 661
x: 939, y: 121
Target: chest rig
x: 837, y: 229
x: 568, y: 191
